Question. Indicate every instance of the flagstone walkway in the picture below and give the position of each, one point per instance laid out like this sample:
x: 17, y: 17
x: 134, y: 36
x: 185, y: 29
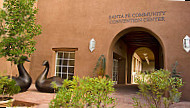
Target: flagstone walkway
x: 123, y: 94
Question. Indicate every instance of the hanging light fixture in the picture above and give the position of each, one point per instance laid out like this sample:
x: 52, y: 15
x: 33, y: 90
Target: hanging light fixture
x: 146, y: 58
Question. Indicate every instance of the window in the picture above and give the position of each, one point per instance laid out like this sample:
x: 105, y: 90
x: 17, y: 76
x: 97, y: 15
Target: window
x: 65, y: 63
x: 115, y: 71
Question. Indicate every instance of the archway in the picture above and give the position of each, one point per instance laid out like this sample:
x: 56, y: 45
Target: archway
x: 143, y: 61
x: 126, y: 43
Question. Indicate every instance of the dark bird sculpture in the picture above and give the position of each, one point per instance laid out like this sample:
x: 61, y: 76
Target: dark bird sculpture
x: 43, y: 84
x: 23, y: 80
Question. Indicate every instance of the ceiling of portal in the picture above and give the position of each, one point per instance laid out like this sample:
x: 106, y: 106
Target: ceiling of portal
x: 140, y: 38
x: 145, y: 52
x: 144, y: 41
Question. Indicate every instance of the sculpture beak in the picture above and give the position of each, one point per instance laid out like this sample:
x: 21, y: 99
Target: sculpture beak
x: 27, y: 60
x: 43, y: 64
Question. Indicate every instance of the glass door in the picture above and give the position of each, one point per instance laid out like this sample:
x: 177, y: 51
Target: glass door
x: 115, y: 71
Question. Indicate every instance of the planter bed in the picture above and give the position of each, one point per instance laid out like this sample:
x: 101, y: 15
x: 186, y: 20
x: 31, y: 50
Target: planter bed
x: 18, y: 103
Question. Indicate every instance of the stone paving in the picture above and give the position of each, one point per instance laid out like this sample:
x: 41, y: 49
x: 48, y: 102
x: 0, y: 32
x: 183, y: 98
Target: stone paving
x: 123, y: 94
x: 33, y: 96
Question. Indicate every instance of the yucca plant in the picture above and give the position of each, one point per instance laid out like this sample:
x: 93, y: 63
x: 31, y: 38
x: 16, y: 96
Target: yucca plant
x: 100, y: 66
x: 174, y: 70
x: 175, y: 95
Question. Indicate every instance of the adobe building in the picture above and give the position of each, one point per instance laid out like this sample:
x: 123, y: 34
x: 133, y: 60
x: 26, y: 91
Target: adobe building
x: 134, y: 36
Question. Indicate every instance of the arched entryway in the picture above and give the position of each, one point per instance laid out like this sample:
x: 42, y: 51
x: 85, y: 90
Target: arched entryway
x: 134, y: 40
x: 143, y: 61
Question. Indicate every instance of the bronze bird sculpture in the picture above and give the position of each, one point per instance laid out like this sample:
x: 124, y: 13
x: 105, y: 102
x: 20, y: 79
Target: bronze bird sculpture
x: 23, y: 80
x: 43, y: 84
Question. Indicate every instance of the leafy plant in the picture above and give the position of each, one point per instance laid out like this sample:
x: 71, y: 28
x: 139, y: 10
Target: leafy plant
x: 85, y: 92
x: 155, y: 85
x: 100, y: 66
x: 174, y: 93
x: 17, y: 29
x: 8, y: 87
x: 54, y: 85
x: 137, y: 103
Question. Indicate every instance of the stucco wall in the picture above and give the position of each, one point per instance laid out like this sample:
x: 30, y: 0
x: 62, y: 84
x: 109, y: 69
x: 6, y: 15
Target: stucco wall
x: 120, y: 48
x: 73, y: 24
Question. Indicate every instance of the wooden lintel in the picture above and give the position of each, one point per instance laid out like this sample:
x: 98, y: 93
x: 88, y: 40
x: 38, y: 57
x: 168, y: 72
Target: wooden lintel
x: 65, y: 49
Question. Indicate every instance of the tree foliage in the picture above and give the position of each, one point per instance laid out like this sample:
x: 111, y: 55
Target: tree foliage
x: 17, y: 29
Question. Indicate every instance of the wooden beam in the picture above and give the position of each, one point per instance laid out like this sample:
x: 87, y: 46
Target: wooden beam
x: 65, y: 49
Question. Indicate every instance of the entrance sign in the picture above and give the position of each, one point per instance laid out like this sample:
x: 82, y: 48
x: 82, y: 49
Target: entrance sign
x: 92, y: 45
x: 136, y: 17
x: 186, y: 43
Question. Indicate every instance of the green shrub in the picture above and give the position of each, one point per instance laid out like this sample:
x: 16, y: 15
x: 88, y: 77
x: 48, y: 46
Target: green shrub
x: 8, y: 87
x: 155, y: 86
x: 85, y: 92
